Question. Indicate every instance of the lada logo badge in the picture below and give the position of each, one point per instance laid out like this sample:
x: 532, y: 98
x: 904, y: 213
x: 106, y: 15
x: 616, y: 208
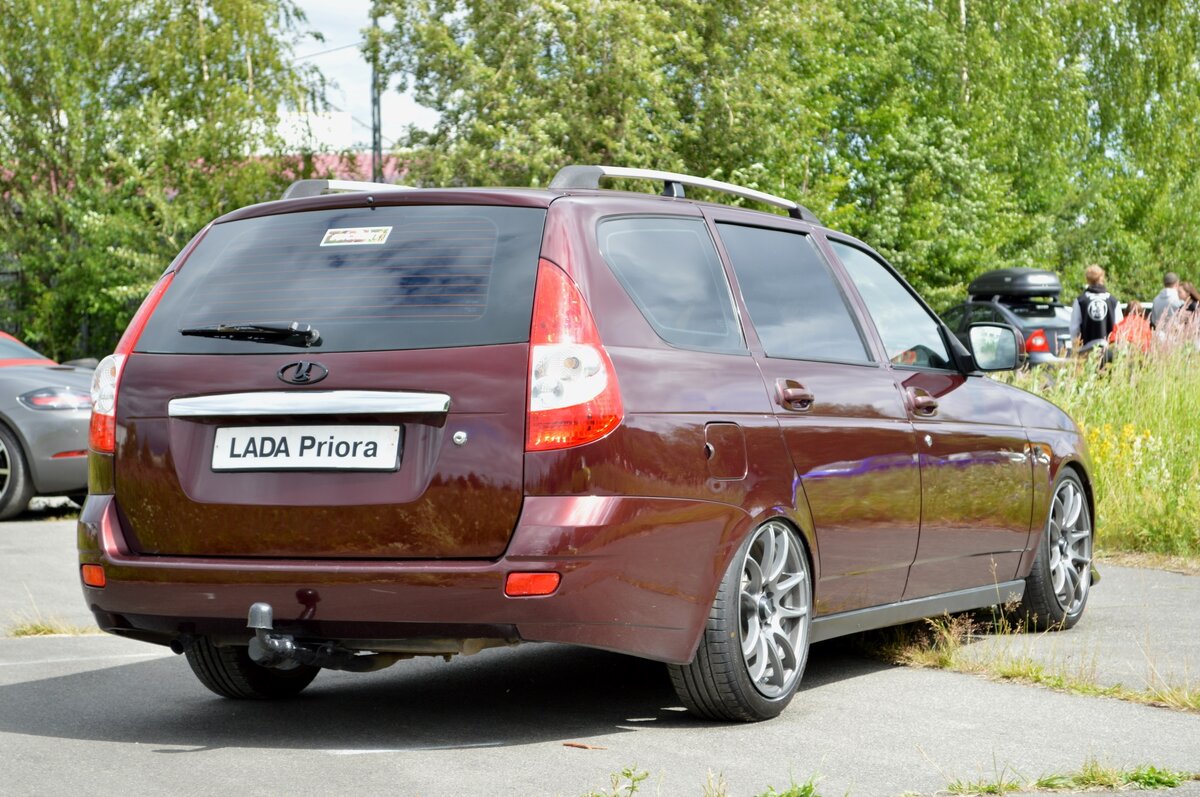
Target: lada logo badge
x: 303, y: 373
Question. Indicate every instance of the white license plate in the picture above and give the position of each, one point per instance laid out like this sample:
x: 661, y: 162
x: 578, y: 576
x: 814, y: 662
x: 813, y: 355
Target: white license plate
x: 306, y: 448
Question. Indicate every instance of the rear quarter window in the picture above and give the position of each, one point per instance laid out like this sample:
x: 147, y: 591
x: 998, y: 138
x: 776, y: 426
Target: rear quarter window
x: 670, y: 268
x: 407, y: 277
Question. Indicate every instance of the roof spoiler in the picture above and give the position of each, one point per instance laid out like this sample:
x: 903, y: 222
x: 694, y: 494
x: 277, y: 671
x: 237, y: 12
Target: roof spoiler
x: 306, y: 188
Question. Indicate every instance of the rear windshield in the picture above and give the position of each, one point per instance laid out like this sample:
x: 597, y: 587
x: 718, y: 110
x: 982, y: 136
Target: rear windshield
x: 368, y: 280
x: 1042, y: 313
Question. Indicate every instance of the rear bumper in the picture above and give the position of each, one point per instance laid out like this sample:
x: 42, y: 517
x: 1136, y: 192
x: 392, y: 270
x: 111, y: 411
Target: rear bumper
x: 638, y: 576
x: 1045, y: 358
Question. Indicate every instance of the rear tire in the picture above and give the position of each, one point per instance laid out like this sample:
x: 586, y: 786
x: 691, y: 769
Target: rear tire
x: 1056, y: 590
x: 755, y: 643
x: 16, y: 486
x: 229, y: 672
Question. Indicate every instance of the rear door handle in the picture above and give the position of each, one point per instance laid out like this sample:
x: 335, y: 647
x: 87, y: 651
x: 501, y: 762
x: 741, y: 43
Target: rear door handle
x: 794, y: 396
x: 921, y: 402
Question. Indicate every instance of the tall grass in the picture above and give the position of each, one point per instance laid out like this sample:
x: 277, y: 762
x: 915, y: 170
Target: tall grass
x: 1140, y: 415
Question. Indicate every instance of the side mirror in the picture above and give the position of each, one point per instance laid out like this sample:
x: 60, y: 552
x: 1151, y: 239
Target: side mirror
x: 996, y: 347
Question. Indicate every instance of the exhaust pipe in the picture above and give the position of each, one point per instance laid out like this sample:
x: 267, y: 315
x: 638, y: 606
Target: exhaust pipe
x: 283, y: 652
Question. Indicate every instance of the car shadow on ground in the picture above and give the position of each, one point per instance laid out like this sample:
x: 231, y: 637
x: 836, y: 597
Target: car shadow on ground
x: 526, y: 695
x: 53, y: 508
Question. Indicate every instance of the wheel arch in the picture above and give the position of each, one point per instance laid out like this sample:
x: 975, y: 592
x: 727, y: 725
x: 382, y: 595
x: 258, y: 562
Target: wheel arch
x: 752, y: 523
x: 1080, y: 469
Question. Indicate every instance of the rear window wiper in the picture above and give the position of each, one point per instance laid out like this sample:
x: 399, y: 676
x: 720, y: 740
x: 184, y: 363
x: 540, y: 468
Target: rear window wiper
x: 293, y: 334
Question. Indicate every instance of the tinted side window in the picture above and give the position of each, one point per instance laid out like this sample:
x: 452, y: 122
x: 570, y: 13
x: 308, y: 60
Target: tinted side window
x: 910, y: 334
x: 795, y: 303
x: 670, y: 268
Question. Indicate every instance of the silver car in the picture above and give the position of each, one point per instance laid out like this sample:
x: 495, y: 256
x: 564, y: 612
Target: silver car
x: 44, y: 414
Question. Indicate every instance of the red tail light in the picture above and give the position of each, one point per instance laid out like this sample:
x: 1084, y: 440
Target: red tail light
x: 1037, y: 341
x: 102, y: 434
x: 573, y: 393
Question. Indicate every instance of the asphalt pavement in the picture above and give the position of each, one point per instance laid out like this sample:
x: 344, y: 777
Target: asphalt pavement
x: 103, y: 715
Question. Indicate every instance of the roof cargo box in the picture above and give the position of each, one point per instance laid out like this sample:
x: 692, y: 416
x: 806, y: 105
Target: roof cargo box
x: 1022, y: 282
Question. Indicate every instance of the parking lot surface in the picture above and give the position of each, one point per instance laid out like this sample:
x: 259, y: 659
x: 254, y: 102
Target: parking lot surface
x: 107, y: 716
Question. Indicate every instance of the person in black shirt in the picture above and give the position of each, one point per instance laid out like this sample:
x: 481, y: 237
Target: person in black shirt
x: 1094, y: 313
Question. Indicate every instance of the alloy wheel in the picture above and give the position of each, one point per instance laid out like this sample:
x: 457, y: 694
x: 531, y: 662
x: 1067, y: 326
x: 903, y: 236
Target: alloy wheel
x: 774, y: 609
x: 1069, y: 535
x: 5, y: 467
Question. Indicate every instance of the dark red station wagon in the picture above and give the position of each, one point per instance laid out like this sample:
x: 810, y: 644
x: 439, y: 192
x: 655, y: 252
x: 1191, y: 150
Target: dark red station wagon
x: 351, y: 428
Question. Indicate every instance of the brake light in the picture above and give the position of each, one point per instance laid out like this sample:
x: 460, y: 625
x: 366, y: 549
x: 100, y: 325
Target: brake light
x: 56, y: 398
x: 102, y: 434
x: 573, y: 393
x: 1037, y: 341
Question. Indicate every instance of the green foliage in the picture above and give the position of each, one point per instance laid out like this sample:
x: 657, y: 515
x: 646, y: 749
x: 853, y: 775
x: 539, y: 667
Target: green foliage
x: 806, y: 789
x: 1093, y: 776
x: 124, y: 127
x: 953, y: 135
x: 1138, y: 419
x: 626, y: 783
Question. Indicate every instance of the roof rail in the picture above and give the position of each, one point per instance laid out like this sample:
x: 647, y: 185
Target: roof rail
x: 306, y: 188
x: 589, y: 177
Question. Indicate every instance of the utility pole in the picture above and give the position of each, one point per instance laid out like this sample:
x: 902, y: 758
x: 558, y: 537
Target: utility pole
x: 376, y: 124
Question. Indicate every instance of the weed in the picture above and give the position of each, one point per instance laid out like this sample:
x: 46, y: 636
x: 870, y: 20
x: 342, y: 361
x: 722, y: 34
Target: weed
x: 624, y: 783
x: 999, y: 786
x: 34, y: 623
x: 50, y: 627
x: 1184, y: 565
x: 806, y: 789
x: 1052, y: 783
x: 1093, y: 776
x: 715, y: 786
x: 938, y: 643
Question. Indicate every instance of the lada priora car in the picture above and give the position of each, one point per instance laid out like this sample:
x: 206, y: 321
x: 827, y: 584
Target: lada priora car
x: 352, y: 428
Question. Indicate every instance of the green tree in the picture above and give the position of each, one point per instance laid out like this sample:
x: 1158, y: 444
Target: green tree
x: 954, y: 135
x: 125, y: 125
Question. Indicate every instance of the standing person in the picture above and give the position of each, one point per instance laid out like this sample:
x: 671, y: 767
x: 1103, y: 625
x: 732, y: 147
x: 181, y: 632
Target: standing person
x: 1167, y: 302
x: 1189, y: 297
x: 1095, y: 312
x: 1133, y: 331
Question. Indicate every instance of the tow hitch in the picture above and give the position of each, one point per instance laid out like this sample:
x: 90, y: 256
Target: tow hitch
x: 283, y: 652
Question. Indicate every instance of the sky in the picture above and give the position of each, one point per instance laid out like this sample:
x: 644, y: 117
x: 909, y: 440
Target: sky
x: 341, y: 23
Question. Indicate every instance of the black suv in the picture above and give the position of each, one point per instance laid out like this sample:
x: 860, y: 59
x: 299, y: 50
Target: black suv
x: 1024, y: 298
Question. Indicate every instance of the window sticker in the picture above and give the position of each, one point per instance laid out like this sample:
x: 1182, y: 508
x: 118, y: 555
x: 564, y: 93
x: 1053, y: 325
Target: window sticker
x: 356, y: 236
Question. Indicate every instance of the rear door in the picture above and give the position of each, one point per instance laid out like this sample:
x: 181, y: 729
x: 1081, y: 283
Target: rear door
x: 398, y: 434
